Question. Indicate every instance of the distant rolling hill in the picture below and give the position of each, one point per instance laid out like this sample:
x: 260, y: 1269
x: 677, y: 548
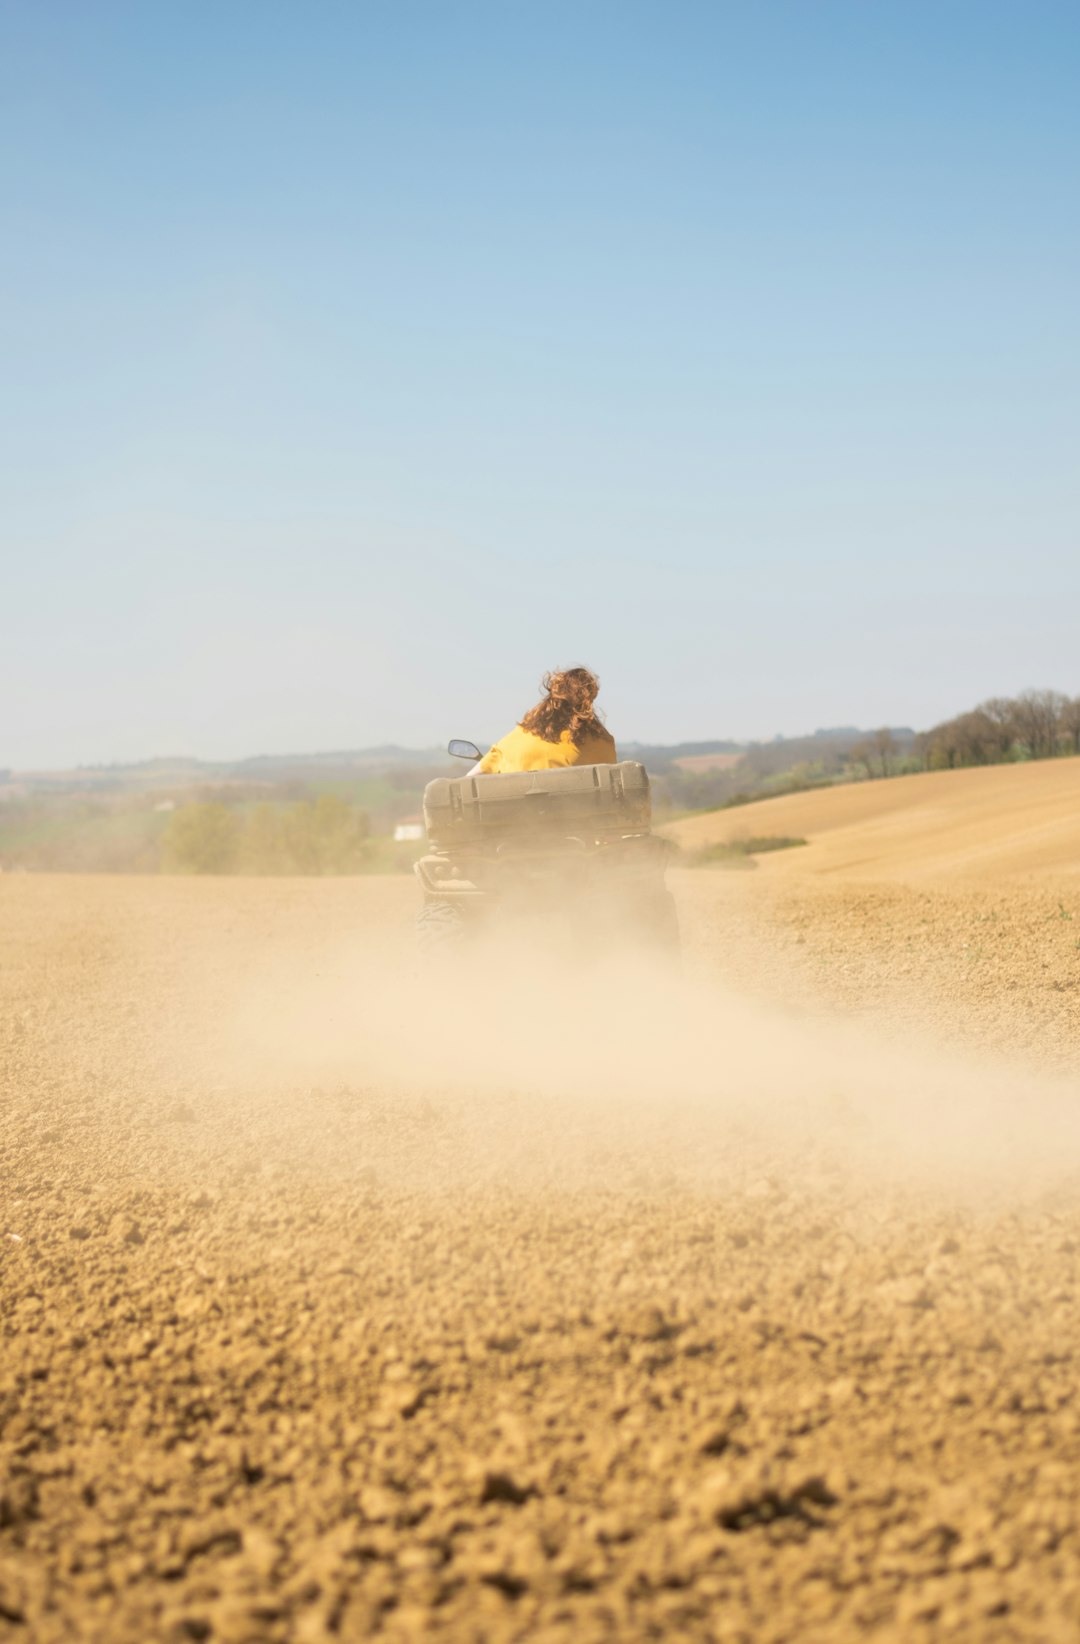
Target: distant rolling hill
x: 990, y: 823
x: 708, y: 761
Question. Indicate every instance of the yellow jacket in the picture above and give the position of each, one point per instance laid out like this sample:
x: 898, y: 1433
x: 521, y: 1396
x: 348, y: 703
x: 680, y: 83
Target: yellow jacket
x: 525, y: 751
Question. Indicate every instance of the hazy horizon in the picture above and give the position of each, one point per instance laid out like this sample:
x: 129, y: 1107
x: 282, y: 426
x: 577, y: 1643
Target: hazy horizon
x: 325, y: 751
x: 361, y: 365
x: 670, y: 738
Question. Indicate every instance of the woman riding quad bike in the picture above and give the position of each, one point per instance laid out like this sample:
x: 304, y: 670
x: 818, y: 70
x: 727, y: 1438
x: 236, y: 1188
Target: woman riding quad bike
x: 549, y: 828
x: 563, y: 729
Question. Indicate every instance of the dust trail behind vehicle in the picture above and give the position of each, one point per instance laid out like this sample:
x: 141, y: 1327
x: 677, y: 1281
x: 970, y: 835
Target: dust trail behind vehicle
x: 542, y: 1057
x: 341, y: 1303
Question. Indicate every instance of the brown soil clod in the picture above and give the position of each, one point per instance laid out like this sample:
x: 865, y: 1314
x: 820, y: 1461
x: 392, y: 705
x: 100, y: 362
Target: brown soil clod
x: 749, y: 1316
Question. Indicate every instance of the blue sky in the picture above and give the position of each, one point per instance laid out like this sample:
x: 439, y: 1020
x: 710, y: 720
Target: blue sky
x: 360, y: 361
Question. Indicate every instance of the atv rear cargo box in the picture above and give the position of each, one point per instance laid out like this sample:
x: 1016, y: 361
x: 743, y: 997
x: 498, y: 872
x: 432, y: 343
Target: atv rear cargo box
x: 590, y: 801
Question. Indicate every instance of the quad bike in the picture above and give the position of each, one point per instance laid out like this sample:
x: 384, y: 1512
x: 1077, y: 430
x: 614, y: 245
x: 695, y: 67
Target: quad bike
x: 568, y: 849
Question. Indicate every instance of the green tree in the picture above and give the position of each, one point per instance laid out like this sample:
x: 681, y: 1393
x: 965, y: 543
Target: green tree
x: 862, y: 757
x: 1038, y: 719
x: 263, y: 848
x: 328, y: 836
x: 201, y: 838
x: 1070, y: 724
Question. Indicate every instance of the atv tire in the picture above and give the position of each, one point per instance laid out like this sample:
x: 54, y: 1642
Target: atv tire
x: 659, y: 923
x: 440, y: 929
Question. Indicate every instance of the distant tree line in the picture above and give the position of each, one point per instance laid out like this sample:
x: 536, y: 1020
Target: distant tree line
x: 791, y: 765
x: 1033, y: 725
x: 321, y: 836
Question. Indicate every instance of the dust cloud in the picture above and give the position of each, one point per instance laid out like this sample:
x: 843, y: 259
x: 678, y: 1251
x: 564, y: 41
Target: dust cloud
x: 546, y: 1059
x: 525, y: 1297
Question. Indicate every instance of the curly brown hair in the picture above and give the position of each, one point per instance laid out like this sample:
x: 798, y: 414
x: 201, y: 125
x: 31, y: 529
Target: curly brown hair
x: 567, y: 707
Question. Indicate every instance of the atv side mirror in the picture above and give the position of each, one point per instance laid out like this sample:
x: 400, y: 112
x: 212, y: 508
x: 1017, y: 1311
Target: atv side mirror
x: 464, y: 750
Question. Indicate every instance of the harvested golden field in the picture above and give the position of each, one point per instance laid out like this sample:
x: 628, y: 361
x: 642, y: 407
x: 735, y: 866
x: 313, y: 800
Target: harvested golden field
x: 544, y: 1303
x: 992, y: 823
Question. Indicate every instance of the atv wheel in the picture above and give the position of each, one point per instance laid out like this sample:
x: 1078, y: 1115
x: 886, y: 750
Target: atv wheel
x: 659, y: 923
x: 440, y: 928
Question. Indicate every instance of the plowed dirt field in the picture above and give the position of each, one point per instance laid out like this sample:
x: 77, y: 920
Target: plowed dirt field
x: 548, y: 1303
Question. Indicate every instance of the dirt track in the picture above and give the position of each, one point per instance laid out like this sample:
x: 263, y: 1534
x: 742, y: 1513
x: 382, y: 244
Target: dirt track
x: 300, y: 1348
